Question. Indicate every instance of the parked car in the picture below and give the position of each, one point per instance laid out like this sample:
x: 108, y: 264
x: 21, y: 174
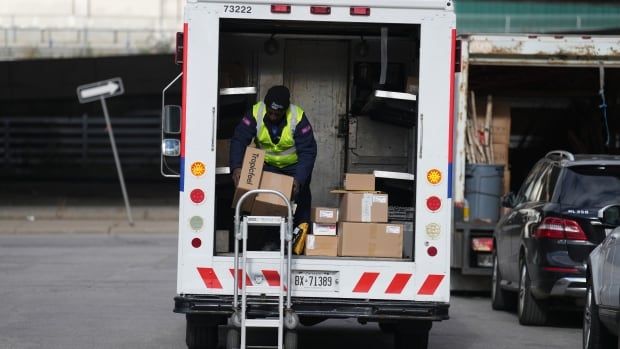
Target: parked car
x: 601, y: 316
x: 542, y: 243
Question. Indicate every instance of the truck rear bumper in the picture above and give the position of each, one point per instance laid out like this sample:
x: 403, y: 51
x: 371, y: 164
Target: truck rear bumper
x: 363, y: 310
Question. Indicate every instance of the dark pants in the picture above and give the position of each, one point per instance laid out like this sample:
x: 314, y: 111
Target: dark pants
x: 303, y: 199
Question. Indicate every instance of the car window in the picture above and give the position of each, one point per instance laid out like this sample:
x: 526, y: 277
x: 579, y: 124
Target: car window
x: 590, y: 186
x: 550, y: 183
x: 527, y: 185
x: 534, y: 194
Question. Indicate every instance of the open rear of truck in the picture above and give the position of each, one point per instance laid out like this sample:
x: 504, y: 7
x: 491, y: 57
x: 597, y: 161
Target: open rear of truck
x: 375, y: 80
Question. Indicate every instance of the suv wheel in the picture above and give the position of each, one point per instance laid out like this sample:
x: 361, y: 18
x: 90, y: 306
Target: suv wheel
x: 529, y: 310
x: 500, y: 298
x: 595, y: 335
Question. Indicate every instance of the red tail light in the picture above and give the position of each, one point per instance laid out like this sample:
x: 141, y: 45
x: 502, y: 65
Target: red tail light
x: 360, y: 11
x: 482, y: 244
x: 320, y: 10
x: 558, y: 228
x: 280, y: 8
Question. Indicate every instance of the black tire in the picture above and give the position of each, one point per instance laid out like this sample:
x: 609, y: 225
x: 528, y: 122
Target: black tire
x: 500, y: 298
x: 200, y: 334
x: 531, y: 312
x: 290, y: 339
x: 233, y: 338
x: 595, y: 335
x: 412, y: 335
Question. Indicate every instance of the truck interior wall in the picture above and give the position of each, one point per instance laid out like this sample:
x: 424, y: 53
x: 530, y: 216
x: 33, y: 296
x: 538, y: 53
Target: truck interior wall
x: 330, y: 70
x: 550, y: 108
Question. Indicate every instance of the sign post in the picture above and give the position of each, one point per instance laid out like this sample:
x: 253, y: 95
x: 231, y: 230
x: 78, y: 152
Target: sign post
x: 100, y: 91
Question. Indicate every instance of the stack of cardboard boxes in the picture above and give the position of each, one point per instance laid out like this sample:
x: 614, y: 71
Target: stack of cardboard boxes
x: 359, y: 228
x: 324, y: 240
x: 363, y: 229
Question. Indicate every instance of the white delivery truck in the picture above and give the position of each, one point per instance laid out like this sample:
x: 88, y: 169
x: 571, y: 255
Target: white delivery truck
x: 376, y: 81
x: 549, y: 92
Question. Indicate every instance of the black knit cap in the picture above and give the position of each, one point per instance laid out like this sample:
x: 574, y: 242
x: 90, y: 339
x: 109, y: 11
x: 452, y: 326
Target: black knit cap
x: 278, y: 97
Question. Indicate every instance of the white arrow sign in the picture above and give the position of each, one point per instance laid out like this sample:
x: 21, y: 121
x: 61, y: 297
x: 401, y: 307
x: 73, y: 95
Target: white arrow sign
x: 101, y: 89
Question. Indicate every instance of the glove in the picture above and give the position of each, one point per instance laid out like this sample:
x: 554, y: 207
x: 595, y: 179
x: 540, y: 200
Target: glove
x: 236, y: 175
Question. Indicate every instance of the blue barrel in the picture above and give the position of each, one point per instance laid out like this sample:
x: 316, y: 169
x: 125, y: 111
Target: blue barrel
x: 483, y: 191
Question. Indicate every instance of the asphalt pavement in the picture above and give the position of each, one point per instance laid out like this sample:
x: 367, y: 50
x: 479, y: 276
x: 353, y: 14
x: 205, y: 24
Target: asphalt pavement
x: 93, y: 219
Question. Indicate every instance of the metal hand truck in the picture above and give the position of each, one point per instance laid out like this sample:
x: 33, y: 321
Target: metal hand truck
x: 285, y: 313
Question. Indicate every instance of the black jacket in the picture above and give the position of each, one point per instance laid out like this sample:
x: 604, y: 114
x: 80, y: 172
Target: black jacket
x: 304, y: 143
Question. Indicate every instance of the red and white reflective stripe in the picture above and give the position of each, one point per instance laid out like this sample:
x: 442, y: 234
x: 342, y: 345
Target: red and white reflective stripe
x: 209, y: 277
x: 398, y: 283
x: 364, y: 284
x: 430, y: 285
x: 248, y: 281
x: 367, y: 280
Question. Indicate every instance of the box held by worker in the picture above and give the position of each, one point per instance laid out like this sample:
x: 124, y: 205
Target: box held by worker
x: 370, y: 240
x: 359, y: 181
x: 270, y: 204
x: 319, y: 245
x: 364, y: 207
x: 324, y: 215
x: 329, y: 229
x: 251, y: 171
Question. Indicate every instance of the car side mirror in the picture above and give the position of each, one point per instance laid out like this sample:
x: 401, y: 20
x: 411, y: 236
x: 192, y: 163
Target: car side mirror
x: 509, y: 200
x: 172, y: 119
x: 610, y: 215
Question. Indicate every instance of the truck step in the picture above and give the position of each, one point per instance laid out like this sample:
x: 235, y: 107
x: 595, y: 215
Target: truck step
x: 274, y: 323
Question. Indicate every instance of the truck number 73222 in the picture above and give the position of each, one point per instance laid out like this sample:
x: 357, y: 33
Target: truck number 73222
x: 237, y: 9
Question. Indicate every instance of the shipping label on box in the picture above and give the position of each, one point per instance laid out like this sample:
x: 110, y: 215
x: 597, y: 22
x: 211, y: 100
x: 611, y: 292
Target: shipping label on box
x: 324, y: 229
x: 370, y: 240
x: 251, y: 171
x: 324, y: 215
x: 317, y: 245
x: 359, y: 181
x: 364, y: 207
x: 270, y: 204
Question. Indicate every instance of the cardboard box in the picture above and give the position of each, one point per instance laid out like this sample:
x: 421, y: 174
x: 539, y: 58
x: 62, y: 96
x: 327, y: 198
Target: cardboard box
x: 500, y: 123
x: 500, y: 154
x: 359, y: 181
x: 321, y: 245
x: 506, y: 181
x: 324, y: 215
x: 251, y: 171
x: 364, y: 207
x: 370, y: 240
x: 324, y: 229
x: 408, y: 240
x: 222, y: 153
x: 269, y: 204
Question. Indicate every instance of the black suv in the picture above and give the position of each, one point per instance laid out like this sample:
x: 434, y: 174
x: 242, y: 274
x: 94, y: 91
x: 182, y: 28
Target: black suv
x: 542, y: 243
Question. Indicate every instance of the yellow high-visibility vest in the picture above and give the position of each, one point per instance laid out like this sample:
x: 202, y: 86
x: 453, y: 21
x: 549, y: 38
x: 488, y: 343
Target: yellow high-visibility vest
x: 284, y: 153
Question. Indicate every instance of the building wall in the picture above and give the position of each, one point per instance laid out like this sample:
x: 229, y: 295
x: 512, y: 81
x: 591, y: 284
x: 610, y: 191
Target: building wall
x: 86, y: 28
x: 493, y: 16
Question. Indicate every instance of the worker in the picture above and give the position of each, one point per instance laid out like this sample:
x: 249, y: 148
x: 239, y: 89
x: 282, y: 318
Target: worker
x: 284, y: 132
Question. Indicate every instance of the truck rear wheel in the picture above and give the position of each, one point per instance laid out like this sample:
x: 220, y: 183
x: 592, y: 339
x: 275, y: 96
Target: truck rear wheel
x: 412, y: 335
x: 200, y: 333
x: 233, y: 338
x: 290, y: 339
